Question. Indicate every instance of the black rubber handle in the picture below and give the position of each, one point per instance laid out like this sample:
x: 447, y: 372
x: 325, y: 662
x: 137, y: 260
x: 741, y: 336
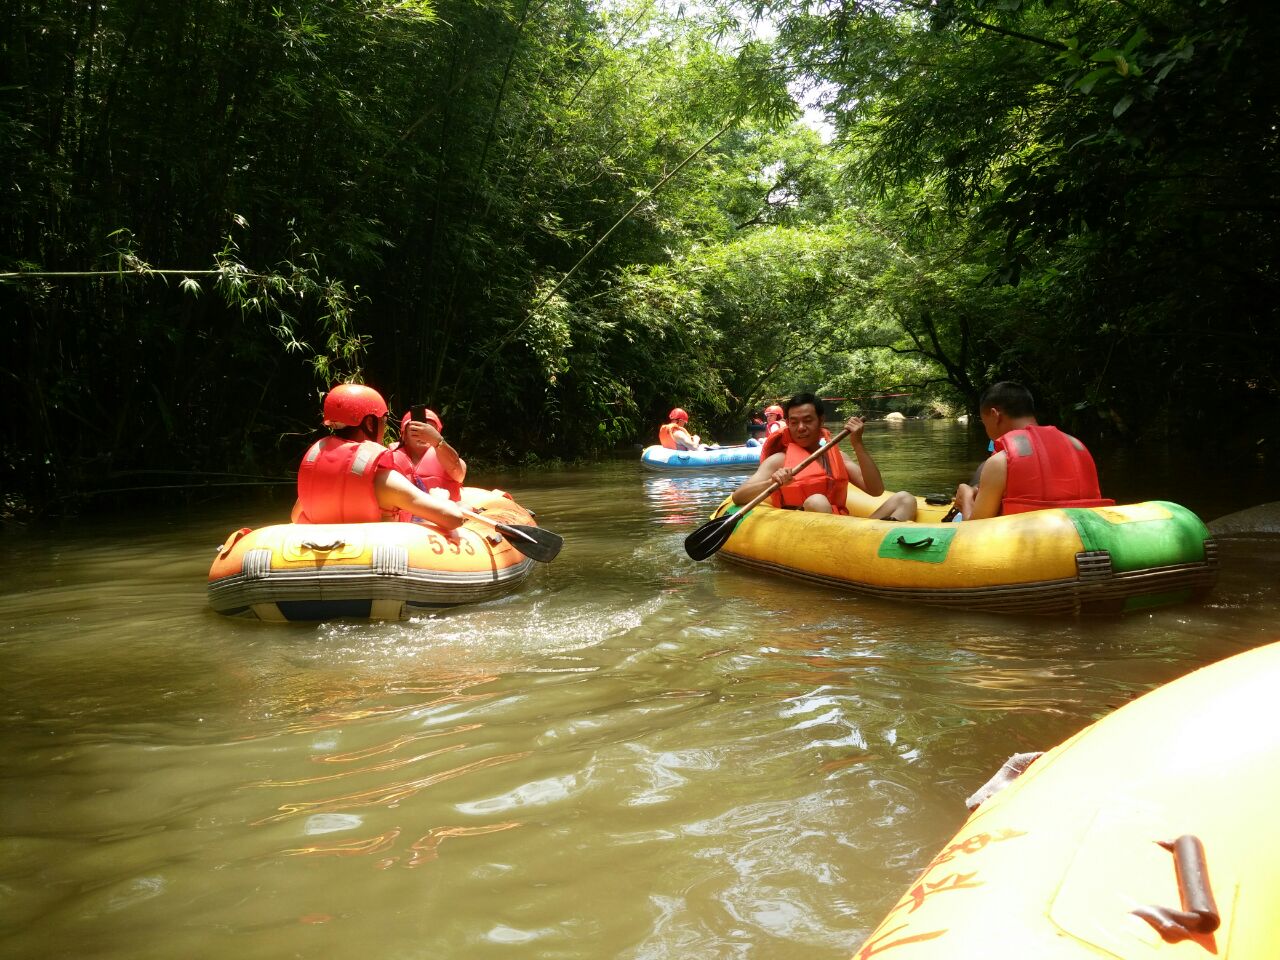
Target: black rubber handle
x: 1199, y: 913
x: 323, y: 547
x: 915, y: 544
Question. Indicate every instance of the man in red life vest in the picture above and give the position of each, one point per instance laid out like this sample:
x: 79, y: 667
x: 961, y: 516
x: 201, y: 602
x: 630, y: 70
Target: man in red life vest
x: 426, y: 459
x: 823, y: 485
x: 1032, y: 468
x: 673, y: 434
x: 773, y: 419
x: 349, y: 477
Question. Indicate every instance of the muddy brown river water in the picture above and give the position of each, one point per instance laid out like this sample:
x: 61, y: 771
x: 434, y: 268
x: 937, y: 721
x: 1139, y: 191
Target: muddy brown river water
x: 633, y: 756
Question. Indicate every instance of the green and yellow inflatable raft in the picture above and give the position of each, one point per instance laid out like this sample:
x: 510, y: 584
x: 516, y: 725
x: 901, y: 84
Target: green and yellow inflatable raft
x: 1099, y: 560
x: 1150, y: 835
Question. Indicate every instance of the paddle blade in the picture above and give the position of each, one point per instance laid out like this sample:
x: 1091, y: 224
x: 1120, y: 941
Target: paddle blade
x: 711, y: 536
x: 534, y: 542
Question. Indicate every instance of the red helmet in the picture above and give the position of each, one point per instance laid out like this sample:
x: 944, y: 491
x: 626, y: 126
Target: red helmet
x: 429, y: 415
x: 774, y: 410
x: 678, y: 414
x: 347, y: 404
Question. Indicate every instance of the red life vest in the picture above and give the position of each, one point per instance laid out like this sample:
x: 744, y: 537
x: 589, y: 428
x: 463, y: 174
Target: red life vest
x: 428, y: 475
x: 335, y: 481
x: 1047, y: 468
x: 667, y: 437
x: 401, y: 462
x: 826, y: 475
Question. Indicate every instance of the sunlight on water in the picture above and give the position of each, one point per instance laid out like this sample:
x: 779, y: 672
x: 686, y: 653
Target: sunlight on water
x: 632, y: 756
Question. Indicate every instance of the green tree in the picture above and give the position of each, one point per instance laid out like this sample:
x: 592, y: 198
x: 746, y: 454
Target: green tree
x: 1116, y: 160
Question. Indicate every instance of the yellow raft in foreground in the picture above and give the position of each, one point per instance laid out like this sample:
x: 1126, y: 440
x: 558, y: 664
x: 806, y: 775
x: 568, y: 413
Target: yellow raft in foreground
x: 381, y: 571
x: 1067, y: 861
x: 1099, y: 560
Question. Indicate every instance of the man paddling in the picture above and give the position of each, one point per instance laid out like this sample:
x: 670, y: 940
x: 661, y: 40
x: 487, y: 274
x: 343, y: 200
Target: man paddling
x: 349, y: 477
x: 822, y: 486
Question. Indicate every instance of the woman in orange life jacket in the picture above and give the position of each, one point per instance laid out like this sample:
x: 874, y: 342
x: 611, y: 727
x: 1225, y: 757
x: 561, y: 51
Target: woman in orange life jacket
x: 773, y: 416
x: 1032, y: 468
x: 349, y: 478
x: 823, y: 485
x: 426, y: 458
x: 674, y: 436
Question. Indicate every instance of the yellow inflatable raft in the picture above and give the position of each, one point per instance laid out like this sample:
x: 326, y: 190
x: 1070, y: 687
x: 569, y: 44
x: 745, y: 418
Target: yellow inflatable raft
x: 1100, y: 560
x: 1151, y: 835
x: 382, y: 571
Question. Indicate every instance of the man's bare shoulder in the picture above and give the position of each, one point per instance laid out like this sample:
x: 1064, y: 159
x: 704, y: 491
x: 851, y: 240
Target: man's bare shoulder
x: 996, y: 464
x: 774, y: 461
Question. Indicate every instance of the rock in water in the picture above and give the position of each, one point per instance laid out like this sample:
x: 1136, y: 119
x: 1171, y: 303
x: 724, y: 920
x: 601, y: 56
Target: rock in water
x: 1264, y: 518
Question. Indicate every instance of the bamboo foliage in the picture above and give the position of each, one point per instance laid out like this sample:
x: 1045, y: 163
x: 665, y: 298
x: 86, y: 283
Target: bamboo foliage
x: 553, y: 219
x: 221, y: 206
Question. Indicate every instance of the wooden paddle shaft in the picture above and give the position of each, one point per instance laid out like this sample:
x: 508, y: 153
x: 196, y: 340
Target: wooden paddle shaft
x: 830, y: 446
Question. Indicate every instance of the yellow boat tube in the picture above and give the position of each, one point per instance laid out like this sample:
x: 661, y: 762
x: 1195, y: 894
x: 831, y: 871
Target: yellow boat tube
x: 1150, y: 835
x: 380, y: 571
x: 1099, y: 560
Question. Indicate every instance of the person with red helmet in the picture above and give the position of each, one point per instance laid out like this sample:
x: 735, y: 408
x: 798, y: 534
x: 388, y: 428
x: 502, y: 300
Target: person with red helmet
x: 773, y: 419
x: 426, y: 458
x: 823, y: 485
x: 674, y: 434
x: 349, y: 477
x: 1032, y: 468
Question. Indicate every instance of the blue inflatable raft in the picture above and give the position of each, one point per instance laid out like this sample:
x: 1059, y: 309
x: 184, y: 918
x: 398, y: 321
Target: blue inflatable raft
x: 660, y: 458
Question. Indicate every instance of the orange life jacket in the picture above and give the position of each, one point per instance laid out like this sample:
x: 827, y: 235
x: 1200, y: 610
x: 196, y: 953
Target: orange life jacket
x: 1048, y: 468
x: 826, y: 475
x: 335, y: 481
x: 401, y: 462
x: 430, y: 474
x: 777, y: 441
x: 427, y: 475
x: 667, y: 436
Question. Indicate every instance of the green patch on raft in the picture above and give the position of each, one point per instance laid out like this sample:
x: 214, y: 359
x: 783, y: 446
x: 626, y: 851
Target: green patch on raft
x: 1140, y: 544
x: 922, y: 544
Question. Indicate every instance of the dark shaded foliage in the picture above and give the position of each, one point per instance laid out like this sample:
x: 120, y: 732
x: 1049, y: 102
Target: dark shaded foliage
x: 387, y: 189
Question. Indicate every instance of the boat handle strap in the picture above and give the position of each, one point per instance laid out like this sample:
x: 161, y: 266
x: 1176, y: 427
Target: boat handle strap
x: 1199, y: 913
x: 232, y: 540
x: 322, y: 547
x: 915, y: 544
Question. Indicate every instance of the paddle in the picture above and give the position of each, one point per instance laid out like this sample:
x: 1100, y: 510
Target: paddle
x: 533, y: 542
x: 713, y: 534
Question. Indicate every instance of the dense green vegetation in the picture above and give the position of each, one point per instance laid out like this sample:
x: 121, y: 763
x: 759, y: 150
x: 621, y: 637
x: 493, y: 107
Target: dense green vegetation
x: 1090, y: 189
x: 551, y: 220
